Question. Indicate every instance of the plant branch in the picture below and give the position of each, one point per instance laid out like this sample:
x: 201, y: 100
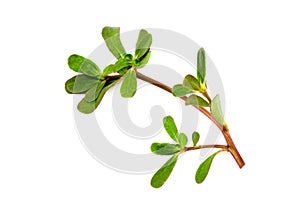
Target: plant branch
x: 231, y: 146
x: 225, y: 147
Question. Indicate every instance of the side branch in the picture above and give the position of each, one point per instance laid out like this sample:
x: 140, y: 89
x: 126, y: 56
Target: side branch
x: 231, y: 146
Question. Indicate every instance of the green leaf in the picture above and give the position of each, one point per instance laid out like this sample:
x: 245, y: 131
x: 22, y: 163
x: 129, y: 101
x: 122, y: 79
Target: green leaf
x: 143, y: 44
x: 204, y: 168
x: 144, y: 60
x: 129, y: 85
x: 108, y: 70
x: 216, y: 109
x: 94, y: 92
x: 191, y: 82
x: 111, y: 35
x: 88, y: 107
x: 182, y: 140
x: 80, y: 84
x: 161, y: 176
x: 196, y: 100
x: 80, y: 64
x: 201, y: 65
x: 171, y: 128
x: 121, y: 63
x: 195, y: 137
x: 165, y: 148
x: 75, y: 61
x: 179, y: 90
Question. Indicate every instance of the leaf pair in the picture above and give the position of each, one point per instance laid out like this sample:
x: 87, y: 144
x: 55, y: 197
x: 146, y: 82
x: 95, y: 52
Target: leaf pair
x: 90, y: 76
x: 91, y: 82
x: 181, y: 140
x: 190, y: 85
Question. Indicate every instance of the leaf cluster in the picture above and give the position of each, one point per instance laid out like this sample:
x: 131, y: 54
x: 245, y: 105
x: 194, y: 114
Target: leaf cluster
x: 174, y: 150
x: 94, y: 83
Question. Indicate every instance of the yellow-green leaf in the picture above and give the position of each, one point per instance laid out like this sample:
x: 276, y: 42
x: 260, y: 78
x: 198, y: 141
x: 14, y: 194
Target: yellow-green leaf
x: 191, y: 82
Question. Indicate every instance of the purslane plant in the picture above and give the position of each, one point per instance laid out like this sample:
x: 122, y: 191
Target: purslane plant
x: 94, y: 83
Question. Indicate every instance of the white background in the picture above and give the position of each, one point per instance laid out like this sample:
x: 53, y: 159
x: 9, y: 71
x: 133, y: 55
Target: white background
x: 254, y: 44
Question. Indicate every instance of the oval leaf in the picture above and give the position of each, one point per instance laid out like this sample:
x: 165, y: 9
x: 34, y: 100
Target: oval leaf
x: 171, y: 128
x: 196, y: 100
x: 161, y: 176
x: 179, y: 90
x: 89, y: 68
x: 216, y: 109
x: 195, y: 137
x: 165, y: 148
x: 75, y: 61
x: 94, y: 92
x: 111, y: 35
x: 143, y: 44
x: 129, y: 84
x: 182, y: 140
x: 204, y: 168
x: 201, y: 65
x: 80, y: 64
x: 88, y: 107
x: 191, y: 82
x: 80, y: 84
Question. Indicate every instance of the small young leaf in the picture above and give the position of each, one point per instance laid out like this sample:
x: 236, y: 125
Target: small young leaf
x: 121, y: 63
x: 80, y: 84
x: 165, y: 148
x: 88, y: 107
x: 111, y: 35
x: 204, y: 168
x: 191, y: 82
x: 201, y: 65
x: 195, y: 137
x: 196, y: 100
x: 129, y: 85
x: 94, y: 92
x: 182, y: 140
x: 171, y: 128
x: 161, y: 176
x: 144, y: 60
x: 143, y: 44
x: 179, y: 90
x: 108, y: 70
x: 216, y: 109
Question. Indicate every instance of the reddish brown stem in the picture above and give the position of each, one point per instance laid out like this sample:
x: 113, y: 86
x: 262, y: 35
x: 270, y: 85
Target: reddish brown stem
x: 231, y: 146
x: 206, y: 146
